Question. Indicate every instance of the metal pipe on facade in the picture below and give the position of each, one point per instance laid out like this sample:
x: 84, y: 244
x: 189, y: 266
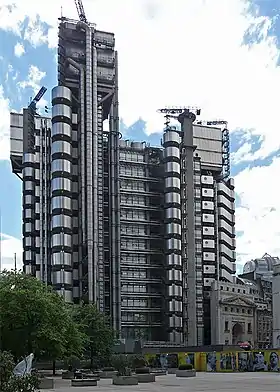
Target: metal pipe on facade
x: 46, y: 155
x: 112, y: 218
x: 91, y: 93
x: 217, y: 333
x: 117, y: 192
x: 82, y: 134
x: 41, y: 201
x: 95, y: 169
x: 186, y: 119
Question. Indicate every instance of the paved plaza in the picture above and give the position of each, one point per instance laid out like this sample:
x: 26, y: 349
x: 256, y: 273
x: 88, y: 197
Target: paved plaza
x: 203, y: 382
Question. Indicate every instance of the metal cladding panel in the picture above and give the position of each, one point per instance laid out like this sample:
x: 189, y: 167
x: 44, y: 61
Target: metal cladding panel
x: 61, y: 91
x: 208, y: 141
x: 16, y: 134
x: 38, y: 122
x: 62, y: 258
x: 228, y: 203
x: 227, y: 251
x: 224, y: 225
x: 214, y: 146
x: 228, y: 265
x: 209, y: 133
x: 16, y: 147
x: 210, y: 159
x: 226, y: 275
x: 209, y: 269
x: 225, y: 213
x: 16, y: 120
x: 223, y: 187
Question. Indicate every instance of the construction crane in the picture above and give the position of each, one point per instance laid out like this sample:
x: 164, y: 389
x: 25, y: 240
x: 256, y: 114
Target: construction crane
x: 36, y: 99
x: 81, y: 11
x: 176, y: 112
x: 213, y: 122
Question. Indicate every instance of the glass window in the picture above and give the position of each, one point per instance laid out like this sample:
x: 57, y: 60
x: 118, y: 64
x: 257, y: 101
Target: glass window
x: 139, y: 274
x: 130, y: 288
x: 133, y: 244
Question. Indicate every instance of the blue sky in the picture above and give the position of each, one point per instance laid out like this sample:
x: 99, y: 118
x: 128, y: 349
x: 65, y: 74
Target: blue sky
x: 220, y: 79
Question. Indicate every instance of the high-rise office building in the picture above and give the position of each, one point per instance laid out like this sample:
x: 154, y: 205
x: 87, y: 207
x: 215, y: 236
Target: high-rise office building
x: 140, y: 231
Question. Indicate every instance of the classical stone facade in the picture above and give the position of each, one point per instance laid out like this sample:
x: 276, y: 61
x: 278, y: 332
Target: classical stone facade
x: 239, y: 313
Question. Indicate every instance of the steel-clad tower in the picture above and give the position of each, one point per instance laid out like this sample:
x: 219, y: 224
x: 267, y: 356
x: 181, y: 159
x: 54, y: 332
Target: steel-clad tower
x: 141, y: 231
x: 87, y: 70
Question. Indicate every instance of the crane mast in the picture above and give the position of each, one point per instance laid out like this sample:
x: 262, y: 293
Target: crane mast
x: 37, y: 98
x: 81, y: 11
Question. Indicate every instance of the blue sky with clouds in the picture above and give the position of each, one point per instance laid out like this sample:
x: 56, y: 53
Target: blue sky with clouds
x: 27, y: 61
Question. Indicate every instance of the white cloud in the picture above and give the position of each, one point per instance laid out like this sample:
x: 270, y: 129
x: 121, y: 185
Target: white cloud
x: 35, y: 75
x: 170, y: 59
x: 242, y: 153
x: 10, y: 246
x: 259, y: 213
x: 4, y: 126
x: 19, y: 50
x: 34, y: 33
x: 34, y: 80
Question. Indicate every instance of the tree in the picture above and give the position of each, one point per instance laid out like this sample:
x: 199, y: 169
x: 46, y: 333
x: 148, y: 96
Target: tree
x: 7, y: 365
x: 27, y: 383
x: 95, y: 325
x: 35, y: 319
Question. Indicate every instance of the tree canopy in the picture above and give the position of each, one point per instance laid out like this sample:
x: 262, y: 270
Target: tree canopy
x: 36, y: 319
x: 95, y: 325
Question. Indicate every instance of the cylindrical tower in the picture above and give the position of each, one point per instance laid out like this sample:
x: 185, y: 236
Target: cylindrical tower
x: 61, y: 191
x: 171, y: 144
x: 28, y: 208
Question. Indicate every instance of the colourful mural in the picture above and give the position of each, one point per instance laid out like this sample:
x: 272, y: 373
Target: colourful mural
x: 242, y: 361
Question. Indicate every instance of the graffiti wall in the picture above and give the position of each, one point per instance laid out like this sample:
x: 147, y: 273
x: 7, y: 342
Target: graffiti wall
x: 242, y: 361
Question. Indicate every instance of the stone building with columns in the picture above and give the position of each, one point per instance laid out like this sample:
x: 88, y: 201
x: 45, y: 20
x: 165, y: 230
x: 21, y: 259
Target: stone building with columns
x: 240, y: 313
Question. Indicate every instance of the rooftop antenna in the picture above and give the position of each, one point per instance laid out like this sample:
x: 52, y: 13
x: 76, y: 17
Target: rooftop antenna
x: 61, y: 11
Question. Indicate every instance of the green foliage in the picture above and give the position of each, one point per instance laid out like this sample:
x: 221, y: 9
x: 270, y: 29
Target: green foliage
x: 100, y: 336
x: 122, y: 363
x: 35, y: 319
x: 6, y: 367
x: 186, y: 366
x: 28, y: 383
x: 138, y: 361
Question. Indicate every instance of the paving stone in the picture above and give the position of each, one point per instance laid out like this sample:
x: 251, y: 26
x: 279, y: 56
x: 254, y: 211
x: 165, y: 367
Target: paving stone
x: 210, y: 382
